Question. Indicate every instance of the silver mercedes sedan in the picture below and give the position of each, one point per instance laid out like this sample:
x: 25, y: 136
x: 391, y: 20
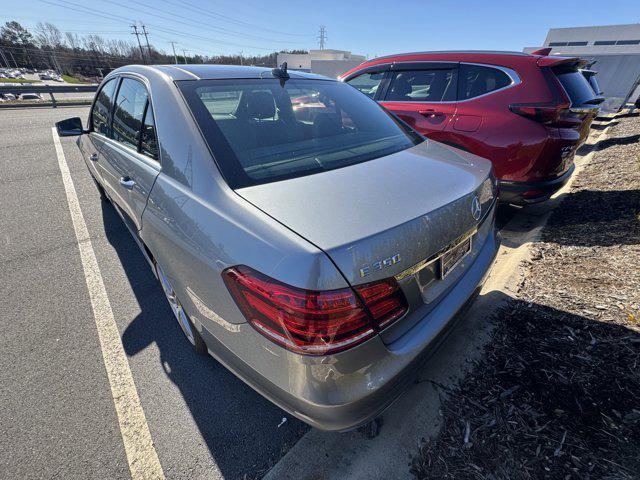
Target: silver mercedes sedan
x: 307, y: 239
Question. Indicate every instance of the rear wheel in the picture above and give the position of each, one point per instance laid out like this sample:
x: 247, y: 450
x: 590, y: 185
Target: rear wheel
x: 181, y: 316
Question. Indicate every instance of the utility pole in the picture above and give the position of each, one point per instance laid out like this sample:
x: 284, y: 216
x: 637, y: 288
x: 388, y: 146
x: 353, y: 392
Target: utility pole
x: 137, y: 34
x: 184, y: 55
x: 322, y: 37
x: 175, y: 57
x: 241, y: 59
x: 144, y: 31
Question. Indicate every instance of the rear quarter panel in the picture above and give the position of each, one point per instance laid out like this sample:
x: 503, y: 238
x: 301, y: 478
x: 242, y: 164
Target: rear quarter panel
x: 511, y: 142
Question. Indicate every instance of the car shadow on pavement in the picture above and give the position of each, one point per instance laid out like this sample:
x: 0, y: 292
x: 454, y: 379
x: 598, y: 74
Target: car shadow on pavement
x: 602, y: 126
x: 582, y: 212
x: 239, y: 426
x: 608, y: 142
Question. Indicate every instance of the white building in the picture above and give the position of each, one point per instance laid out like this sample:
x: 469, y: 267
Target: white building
x: 614, y: 51
x: 330, y: 63
x: 597, y: 40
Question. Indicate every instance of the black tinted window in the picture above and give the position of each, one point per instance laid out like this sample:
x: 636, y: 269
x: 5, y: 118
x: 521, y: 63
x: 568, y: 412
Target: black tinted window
x: 476, y: 80
x: 576, y: 86
x: 367, y: 83
x: 422, y: 86
x: 127, y: 116
x: 102, y: 107
x: 265, y: 130
x: 149, y: 142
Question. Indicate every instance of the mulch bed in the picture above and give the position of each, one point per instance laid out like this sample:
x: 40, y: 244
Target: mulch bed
x: 557, y: 394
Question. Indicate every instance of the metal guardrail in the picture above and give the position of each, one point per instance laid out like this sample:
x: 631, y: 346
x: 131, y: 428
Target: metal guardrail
x: 50, y: 89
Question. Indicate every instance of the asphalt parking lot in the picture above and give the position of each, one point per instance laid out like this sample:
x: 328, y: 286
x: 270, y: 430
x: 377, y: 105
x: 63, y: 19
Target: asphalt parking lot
x: 58, y: 418
x: 58, y: 414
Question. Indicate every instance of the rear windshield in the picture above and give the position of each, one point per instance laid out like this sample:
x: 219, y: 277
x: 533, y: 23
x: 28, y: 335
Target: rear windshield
x: 576, y: 86
x: 264, y: 130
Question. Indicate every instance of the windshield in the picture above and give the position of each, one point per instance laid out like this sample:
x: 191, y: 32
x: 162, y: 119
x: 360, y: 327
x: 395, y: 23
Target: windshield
x: 264, y: 130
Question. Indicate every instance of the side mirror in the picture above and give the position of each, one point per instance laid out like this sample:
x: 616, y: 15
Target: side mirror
x: 70, y: 127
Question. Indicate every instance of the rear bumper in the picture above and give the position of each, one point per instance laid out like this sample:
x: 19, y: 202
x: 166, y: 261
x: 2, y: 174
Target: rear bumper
x: 342, y: 391
x: 524, y: 193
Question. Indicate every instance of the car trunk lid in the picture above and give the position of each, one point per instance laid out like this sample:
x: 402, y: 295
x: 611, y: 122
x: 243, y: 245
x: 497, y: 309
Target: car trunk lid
x: 378, y: 219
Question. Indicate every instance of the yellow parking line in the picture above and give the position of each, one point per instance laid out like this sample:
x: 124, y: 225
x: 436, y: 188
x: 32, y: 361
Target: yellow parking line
x: 141, y: 454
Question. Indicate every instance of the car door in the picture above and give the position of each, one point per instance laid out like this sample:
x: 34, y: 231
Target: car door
x: 99, y: 120
x: 423, y: 94
x: 130, y: 156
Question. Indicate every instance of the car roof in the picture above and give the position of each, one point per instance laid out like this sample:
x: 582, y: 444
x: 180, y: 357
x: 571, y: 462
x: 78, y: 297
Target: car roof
x: 454, y: 52
x: 213, y: 72
x: 501, y: 58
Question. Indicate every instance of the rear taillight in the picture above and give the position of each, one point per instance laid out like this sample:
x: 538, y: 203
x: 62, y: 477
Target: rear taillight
x: 548, y: 113
x: 314, y: 322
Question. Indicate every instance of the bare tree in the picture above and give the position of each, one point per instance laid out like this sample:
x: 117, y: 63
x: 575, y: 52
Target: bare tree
x: 48, y: 35
x: 72, y: 40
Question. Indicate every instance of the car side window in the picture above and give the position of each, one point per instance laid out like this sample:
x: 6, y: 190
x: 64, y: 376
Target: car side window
x: 148, y: 139
x: 422, y: 86
x: 102, y: 107
x: 476, y: 80
x: 131, y: 101
x: 367, y: 83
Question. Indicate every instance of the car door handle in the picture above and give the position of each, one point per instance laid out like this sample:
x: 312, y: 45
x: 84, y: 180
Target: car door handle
x: 127, y: 183
x: 93, y: 157
x: 430, y: 113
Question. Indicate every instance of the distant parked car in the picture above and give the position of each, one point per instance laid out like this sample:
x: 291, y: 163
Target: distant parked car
x: 528, y: 114
x: 31, y: 97
x: 321, y: 256
x: 8, y: 96
x: 45, y: 76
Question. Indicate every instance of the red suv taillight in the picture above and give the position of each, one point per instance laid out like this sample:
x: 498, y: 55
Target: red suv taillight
x: 540, y: 112
x: 314, y: 322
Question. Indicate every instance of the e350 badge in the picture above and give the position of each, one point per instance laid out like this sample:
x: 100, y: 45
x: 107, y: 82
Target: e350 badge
x: 367, y: 270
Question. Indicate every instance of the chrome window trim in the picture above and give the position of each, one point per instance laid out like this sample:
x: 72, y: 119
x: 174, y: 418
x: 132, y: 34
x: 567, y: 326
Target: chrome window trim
x: 126, y: 149
x: 147, y: 85
x: 512, y: 74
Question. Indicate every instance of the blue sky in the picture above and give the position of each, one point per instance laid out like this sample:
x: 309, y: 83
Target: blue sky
x: 374, y: 27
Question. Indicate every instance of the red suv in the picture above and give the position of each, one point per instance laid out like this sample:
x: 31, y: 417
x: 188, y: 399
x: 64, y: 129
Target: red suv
x: 528, y: 114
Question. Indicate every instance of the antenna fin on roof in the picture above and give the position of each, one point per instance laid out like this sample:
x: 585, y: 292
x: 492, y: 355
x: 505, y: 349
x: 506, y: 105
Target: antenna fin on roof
x: 281, y: 71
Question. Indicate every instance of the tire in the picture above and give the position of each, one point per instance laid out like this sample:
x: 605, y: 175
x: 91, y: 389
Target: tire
x: 186, y: 325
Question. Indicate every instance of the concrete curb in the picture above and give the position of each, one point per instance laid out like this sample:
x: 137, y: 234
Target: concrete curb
x: 326, y: 456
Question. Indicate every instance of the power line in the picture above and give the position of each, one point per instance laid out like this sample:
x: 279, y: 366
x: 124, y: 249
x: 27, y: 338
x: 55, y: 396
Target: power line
x: 184, y: 5
x: 109, y: 16
x: 191, y: 22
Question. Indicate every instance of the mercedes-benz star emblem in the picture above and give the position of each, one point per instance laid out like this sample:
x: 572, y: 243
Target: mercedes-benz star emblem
x: 476, y: 208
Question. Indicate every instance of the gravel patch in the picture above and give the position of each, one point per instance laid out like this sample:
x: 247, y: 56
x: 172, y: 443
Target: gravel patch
x: 556, y: 394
